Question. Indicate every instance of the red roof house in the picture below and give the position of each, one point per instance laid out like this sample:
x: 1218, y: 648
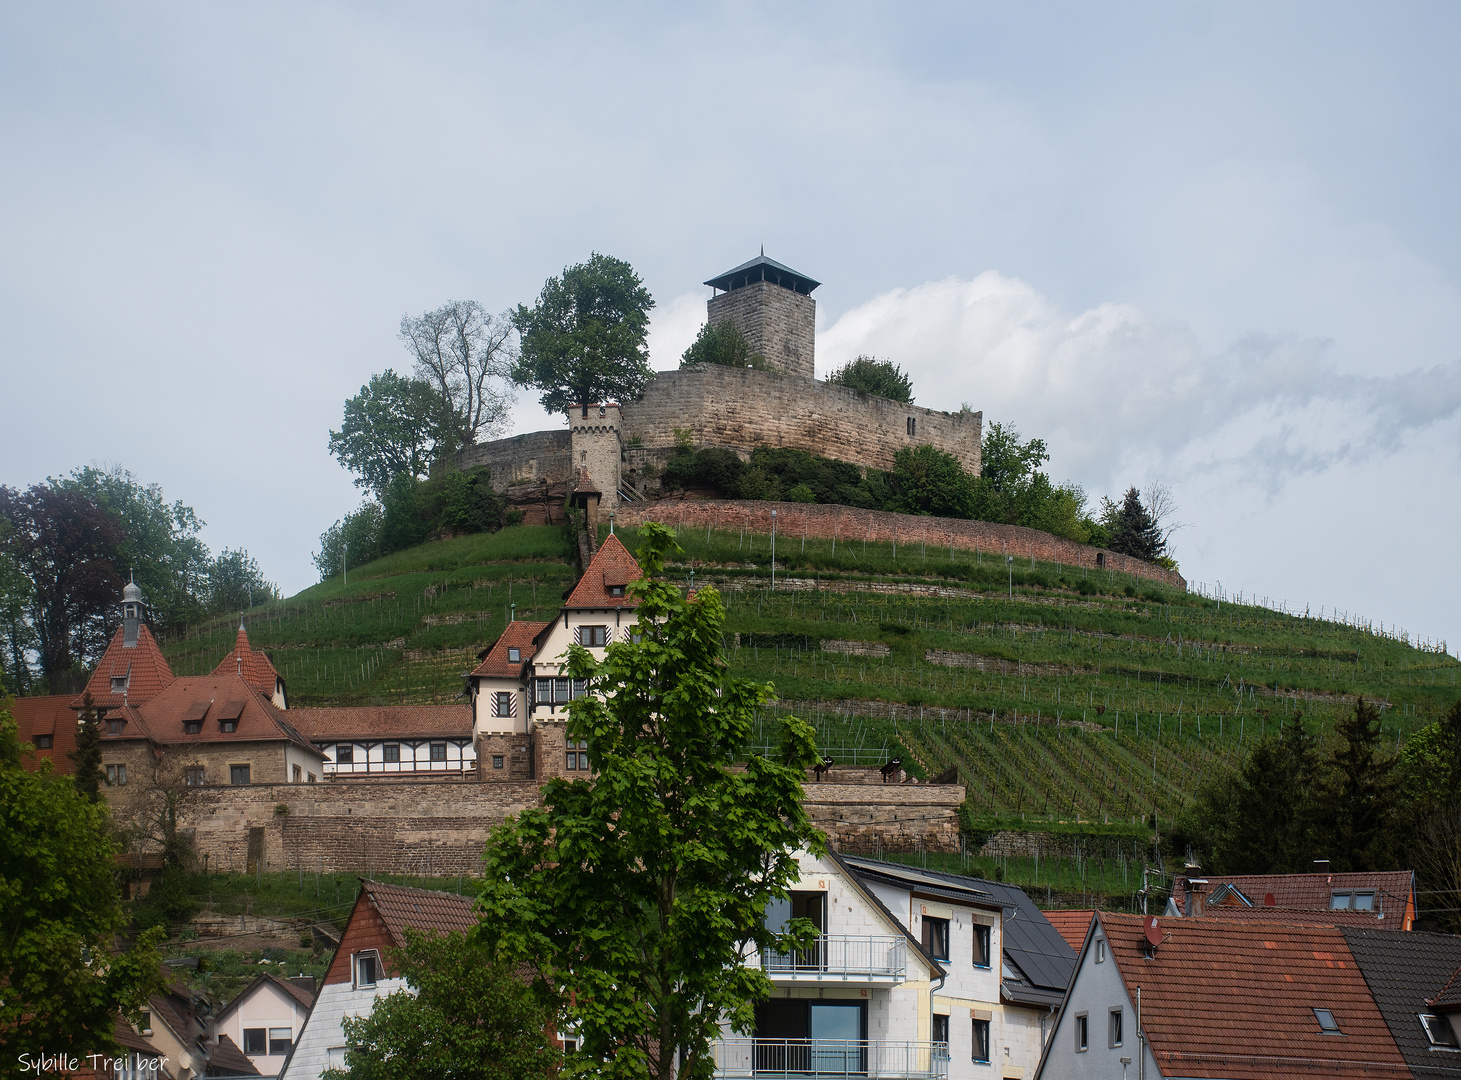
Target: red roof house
x: 256, y: 668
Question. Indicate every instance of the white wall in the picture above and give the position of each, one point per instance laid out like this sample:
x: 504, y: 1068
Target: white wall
x: 1096, y: 989
x: 369, y: 758
x: 322, y: 1043
x: 268, y: 1007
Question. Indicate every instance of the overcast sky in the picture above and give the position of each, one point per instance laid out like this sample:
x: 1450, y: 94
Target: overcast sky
x: 1216, y: 246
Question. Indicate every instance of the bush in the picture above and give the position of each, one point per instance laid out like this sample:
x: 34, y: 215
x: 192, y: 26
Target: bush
x: 873, y: 376
x: 802, y: 494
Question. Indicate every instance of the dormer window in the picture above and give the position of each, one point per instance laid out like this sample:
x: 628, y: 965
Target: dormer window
x: 192, y: 727
x: 43, y: 742
x: 616, y: 590
x: 515, y: 655
x: 228, y: 725
x: 119, y: 684
x: 1358, y: 901
x: 114, y: 727
x: 1438, y: 1030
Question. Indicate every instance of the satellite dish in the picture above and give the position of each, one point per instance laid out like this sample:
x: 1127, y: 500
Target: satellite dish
x: 1152, y: 931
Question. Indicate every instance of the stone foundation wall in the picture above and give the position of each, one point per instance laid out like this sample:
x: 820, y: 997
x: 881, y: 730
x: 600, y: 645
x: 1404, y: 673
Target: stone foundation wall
x: 850, y: 524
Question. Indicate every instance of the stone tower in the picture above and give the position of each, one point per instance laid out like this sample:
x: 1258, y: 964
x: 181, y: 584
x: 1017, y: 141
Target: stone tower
x: 772, y: 305
x: 596, y: 439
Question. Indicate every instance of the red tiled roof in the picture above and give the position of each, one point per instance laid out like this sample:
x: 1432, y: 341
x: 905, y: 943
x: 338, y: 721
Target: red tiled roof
x: 1450, y: 996
x: 1236, y: 999
x: 1071, y: 925
x: 612, y: 565
x: 143, y: 666
x: 51, y: 716
x: 585, y: 484
x: 518, y: 635
x: 226, y: 1059
x: 421, y: 909
x: 1393, y: 890
x: 382, y: 721
x: 255, y: 667
x: 1299, y: 917
x: 209, y: 698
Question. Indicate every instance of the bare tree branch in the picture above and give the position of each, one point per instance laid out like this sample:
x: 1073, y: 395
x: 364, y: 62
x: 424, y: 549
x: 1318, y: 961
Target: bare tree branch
x: 466, y: 354
x: 1162, y: 506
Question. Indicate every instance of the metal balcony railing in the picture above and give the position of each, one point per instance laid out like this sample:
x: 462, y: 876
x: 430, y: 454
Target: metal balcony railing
x: 867, y: 957
x: 875, y: 1059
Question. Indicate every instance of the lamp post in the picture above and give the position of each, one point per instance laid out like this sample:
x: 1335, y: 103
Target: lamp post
x: 1009, y: 561
x: 345, y: 561
x: 773, y: 551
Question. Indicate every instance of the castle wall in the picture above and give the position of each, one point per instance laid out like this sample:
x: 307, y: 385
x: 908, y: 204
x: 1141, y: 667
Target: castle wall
x: 851, y: 524
x: 597, y: 448
x: 743, y: 409
x: 534, y: 458
x: 778, y: 323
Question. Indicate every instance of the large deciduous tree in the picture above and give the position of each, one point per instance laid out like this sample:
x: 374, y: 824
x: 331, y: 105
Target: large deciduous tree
x: 873, y: 376
x: 465, y: 354
x: 928, y: 480
x: 60, y: 915
x: 584, y: 341
x: 638, y: 891
x: 391, y: 427
x: 235, y: 582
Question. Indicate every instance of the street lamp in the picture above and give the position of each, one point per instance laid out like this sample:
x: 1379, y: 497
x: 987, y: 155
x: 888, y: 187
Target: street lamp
x: 773, y: 551
x: 1009, y: 561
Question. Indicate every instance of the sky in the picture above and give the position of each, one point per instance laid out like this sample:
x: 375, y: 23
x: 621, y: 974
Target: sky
x: 1212, y: 246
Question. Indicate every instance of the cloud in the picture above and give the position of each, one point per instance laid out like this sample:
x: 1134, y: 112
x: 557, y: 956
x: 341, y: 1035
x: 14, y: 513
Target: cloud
x: 672, y: 327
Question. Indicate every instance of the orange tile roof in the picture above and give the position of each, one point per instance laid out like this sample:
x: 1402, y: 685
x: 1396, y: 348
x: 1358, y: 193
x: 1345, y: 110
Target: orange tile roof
x: 518, y: 635
x: 420, y: 909
x: 255, y: 667
x: 143, y: 666
x: 382, y: 721
x: 209, y: 699
x: 1393, y: 889
x: 1071, y: 925
x: 611, y: 566
x: 1236, y: 999
x: 51, y: 716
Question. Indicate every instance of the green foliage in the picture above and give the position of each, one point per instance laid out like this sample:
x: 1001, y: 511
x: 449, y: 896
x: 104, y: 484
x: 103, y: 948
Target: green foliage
x: 723, y: 344
x: 1430, y: 763
x: 1357, y: 803
x: 928, y: 480
x: 873, y: 376
x: 470, y: 1018
x: 638, y: 892
x: 17, y: 636
x: 355, y: 537
x: 390, y: 428
x: 88, y: 777
x: 59, y: 918
x: 1012, y: 490
x: 235, y: 583
x: 585, y: 339
x: 1132, y: 530
x: 801, y: 493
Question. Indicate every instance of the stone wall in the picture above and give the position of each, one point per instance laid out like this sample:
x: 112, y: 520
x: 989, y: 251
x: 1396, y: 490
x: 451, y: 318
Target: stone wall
x: 851, y: 524
x: 743, y: 409
x: 778, y: 323
x: 535, y: 458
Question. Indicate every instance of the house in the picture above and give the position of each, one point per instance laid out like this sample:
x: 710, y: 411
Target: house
x: 132, y: 670
x: 390, y: 741
x: 520, y: 692
x: 858, y: 1001
x: 361, y: 970
x: 256, y: 669
x: 1011, y: 984
x: 1381, y: 896
x: 1203, y: 997
x: 264, y: 1018
x: 176, y: 1028
x: 49, y: 725
x: 1415, y: 980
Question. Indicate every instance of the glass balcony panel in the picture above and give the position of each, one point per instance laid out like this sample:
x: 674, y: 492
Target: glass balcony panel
x: 814, y: 1059
x: 880, y: 958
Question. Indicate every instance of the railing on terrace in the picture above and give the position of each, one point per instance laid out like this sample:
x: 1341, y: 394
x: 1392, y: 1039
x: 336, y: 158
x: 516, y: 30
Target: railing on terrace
x: 872, y: 956
x: 875, y: 1059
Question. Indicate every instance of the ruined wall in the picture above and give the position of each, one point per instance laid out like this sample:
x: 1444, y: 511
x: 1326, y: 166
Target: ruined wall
x: 851, y: 524
x: 743, y: 409
x: 778, y: 323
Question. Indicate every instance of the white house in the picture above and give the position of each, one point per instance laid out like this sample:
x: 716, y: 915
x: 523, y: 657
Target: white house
x: 265, y: 1017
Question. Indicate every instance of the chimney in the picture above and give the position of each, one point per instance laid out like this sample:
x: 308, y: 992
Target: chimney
x: 307, y: 982
x: 1321, y: 866
x: 1196, y: 890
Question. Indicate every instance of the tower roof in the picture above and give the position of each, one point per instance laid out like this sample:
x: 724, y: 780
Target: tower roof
x: 763, y: 269
x: 141, y: 667
x: 255, y: 667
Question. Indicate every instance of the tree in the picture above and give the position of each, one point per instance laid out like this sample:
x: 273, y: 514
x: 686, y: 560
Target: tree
x: 585, y: 339
x: 1358, y: 796
x: 639, y: 891
x: 928, y: 480
x: 235, y: 583
x: 1133, y: 532
x: 356, y: 536
x: 17, y: 637
x: 1006, y: 464
x: 66, y: 546
x: 60, y: 915
x: 723, y: 344
x: 88, y: 777
x: 873, y: 376
x: 470, y: 1018
x: 465, y: 354
x: 390, y: 427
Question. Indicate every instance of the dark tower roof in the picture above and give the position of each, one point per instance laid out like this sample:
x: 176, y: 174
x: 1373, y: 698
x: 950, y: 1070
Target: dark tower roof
x: 763, y: 269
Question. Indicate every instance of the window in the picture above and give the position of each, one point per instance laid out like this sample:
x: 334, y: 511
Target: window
x: 117, y: 775
x: 193, y: 775
x: 254, y: 1041
x: 228, y: 725
x: 1364, y: 901
x: 981, y: 946
x: 1082, y: 1040
x: 577, y: 756
x: 936, y: 937
x: 298, y: 773
x: 980, y: 1050
x: 1100, y: 950
x: 43, y: 742
x: 119, y: 684
x: 1114, y: 1031
x: 145, y: 1019
x: 616, y: 590
x: 391, y: 752
x: 593, y: 636
x: 514, y: 655
x: 280, y: 1041
x: 940, y: 1031
x: 580, y: 687
x: 1327, y: 1024
x: 561, y: 688
x: 192, y: 727
x: 502, y: 704
x: 311, y: 779
x: 497, y: 761
x: 345, y: 754
x: 365, y: 969
x: 1358, y: 901
x: 1438, y: 1030
x: 238, y: 774
x: 114, y: 727
x: 438, y: 751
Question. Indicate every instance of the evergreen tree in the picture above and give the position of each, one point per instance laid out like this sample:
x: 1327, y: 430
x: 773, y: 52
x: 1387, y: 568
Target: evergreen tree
x: 1133, y: 532
x: 87, y: 755
x: 1358, y: 797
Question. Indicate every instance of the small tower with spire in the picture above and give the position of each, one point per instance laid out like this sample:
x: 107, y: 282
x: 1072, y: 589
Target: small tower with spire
x: 131, y: 613
x: 772, y: 305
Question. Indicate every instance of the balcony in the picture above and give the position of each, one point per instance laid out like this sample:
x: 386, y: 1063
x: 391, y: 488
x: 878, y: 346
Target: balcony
x: 809, y: 1059
x: 857, y: 961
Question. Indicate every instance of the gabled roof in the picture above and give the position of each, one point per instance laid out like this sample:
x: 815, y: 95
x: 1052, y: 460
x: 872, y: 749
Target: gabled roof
x: 1071, y: 925
x: 611, y: 566
x: 1405, y: 974
x: 142, y: 665
x: 520, y: 634
x: 420, y: 909
x: 763, y: 269
x: 371, y: 722
x: 1237, y: 999
x: 256, y: 668
x: 226, y: 1059
x: 51, y: 716
x: 1393, y: 890
x: 293, y: 990
x: 209, y: 699
x: 855, y: 878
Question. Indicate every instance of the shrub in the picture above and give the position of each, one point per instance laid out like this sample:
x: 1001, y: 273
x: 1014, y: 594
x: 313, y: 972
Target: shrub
x: 802, y: 494
x: 873, y: 376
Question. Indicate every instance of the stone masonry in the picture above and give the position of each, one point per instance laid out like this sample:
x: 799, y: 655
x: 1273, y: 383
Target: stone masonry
x: 778, y: 323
